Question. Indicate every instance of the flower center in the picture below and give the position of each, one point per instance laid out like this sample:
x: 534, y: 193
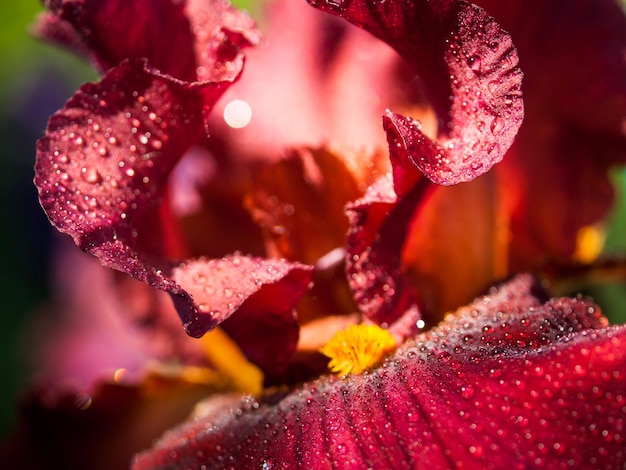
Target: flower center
x: 357, y: 348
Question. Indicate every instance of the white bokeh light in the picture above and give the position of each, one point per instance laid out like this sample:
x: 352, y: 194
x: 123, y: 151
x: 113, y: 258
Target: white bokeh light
x: 237, y: 114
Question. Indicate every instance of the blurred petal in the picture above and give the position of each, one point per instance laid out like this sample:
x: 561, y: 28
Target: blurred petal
x: 263, y: 292
x: 192, y: 40
x: 103, y: 163
x: 281, y: 85
x: 572, y: 54
x: 299, y: 202
x: 469, y: 66
x: 456, y: 245
x: 100, y: 430
x: 507, y: 382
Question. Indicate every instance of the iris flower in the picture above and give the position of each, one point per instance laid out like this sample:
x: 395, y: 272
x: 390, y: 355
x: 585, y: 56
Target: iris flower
x: 214, y: 164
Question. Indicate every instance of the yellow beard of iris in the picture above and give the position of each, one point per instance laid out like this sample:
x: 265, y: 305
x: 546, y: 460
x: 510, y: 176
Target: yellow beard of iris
x: 357, y: 348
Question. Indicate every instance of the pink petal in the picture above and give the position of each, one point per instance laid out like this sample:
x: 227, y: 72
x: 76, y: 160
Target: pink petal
x: 263, y: 292
x: 508, y: 382
x: 191, y: 40
x: 103, y: 163
x: 469, y: 66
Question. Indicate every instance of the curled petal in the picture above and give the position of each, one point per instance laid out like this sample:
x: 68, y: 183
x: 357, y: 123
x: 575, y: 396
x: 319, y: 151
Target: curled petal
x: 508, y: 382
x: 263, y: 292
x: 191, y: 40
x: 469, y: 66
x: 102, y: 166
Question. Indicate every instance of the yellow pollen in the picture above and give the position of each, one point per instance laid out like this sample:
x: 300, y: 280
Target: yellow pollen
x: 357, y: 348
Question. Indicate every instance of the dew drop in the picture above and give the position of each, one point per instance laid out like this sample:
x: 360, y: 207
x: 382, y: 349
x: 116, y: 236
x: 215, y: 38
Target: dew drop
x: 90, y: 174
x: 475, y: 63
x: 82, y: 401
x: 496, y: 125
x: 467, y: 391
x: 62, y: 158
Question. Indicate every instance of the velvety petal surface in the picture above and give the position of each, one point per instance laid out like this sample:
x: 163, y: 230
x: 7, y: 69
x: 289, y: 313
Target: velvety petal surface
x: 510, y: 381
x: 192, y: 40
x: 468, y: 65
x: 263, y: 292
x: 102, y: 166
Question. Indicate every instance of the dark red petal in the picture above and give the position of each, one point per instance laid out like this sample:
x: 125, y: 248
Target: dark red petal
x: 469, y: 66
x: 509, y: 382
x: 575, y: 99
x: 263, y: 293
x: 101, y: 429
x: 377, y: 233
x: 191, y: 40
x: 104, y: 161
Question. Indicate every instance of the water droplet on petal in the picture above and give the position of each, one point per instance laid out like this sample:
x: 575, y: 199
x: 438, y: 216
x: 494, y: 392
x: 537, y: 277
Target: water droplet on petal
x: 90, y: 174
x: 496, y: 125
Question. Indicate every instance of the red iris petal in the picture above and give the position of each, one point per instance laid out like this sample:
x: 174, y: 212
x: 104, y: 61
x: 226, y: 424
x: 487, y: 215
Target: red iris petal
x: 508, y: 381
x: 375, y: 241
x: 263, y: 292
x: 469, y: 66
x: 191, y: 40
x: 103, y: 163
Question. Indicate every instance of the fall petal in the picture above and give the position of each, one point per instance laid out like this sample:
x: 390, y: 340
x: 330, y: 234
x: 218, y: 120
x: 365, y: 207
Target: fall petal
x: 103, y: 163
x: 469, y: 66
x: 190, y: 40
x: 263, y: 292
x: 508, y: 381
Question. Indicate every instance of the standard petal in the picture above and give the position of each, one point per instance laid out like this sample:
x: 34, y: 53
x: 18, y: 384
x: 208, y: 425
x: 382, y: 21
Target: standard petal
x: 469, y: 67
x: 103, y: 163
x: 507, y: 382
x: 263, y: 292
x: 191, y: 40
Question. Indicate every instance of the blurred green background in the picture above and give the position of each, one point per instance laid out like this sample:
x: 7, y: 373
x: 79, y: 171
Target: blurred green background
x: 35, y: 81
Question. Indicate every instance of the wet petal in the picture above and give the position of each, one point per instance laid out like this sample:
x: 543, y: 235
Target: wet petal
x: 509, y: 381
x: 469, y: 66
x: 263, y: 293
x: 377, y: 234
x: 103, y: 163
x: 191, y: 40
